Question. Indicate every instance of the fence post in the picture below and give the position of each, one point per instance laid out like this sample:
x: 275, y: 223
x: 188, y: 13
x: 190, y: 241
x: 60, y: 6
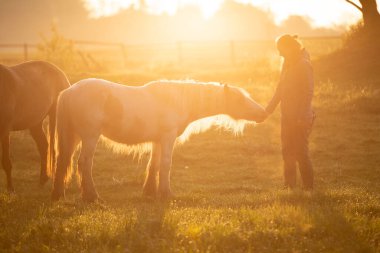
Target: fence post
x: 25, y: 52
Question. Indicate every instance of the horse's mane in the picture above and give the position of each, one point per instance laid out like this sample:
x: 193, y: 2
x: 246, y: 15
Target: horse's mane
x: 190, y: 95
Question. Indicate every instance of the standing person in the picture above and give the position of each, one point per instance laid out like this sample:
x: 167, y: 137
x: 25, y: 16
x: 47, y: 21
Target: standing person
x: 295, y: 92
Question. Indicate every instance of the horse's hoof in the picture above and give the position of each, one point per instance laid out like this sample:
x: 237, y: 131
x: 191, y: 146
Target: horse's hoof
x: 150, y: 192
x: 43, y: 180
x: 11, y: 190
x: 101, y: 200
x: 166, y: 195
x: 55, y: 196
x: 91, y: 198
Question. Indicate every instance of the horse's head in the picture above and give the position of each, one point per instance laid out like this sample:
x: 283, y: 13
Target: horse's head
x: 240, y: 105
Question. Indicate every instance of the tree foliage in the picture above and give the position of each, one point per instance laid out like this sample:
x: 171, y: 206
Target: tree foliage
x: 58, y: 49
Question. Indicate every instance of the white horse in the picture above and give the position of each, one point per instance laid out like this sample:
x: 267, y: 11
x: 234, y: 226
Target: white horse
x: 155, y: 113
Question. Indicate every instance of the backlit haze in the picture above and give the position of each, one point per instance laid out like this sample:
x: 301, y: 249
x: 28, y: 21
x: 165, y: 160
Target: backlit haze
x: 151, y: 21
x: 322, y: 13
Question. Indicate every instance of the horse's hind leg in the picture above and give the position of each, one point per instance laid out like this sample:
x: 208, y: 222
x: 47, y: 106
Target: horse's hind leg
x: 89, y: 193
x: 167, y: 144
x: 6, y: 160
x: 42, y: 145
x: 67, y: 143
x: 150, y: 185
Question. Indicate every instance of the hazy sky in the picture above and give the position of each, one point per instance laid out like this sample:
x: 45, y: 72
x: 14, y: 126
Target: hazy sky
x: 184, y: 20
x: 322, y: 13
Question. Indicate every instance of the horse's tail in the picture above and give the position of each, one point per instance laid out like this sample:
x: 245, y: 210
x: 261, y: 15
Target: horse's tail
x: 66, y: 141
x: 61, y: 84
x: 51, y: 138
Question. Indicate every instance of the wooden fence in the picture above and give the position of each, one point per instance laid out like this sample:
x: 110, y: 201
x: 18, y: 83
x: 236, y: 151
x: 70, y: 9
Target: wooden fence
x: 23, y: 47
x: 188, y: 52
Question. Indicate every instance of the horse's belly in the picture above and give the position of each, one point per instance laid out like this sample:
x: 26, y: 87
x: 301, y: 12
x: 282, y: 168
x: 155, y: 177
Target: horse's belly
x: 30, y: 110
x: 29, y: 118
x: 131, y: 135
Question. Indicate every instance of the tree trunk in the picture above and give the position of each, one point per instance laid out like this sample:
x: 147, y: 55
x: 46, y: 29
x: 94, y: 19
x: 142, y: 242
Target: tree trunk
x: 371, y: 16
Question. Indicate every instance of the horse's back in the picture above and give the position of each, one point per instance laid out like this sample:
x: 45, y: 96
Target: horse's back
x: 122, y: 113
x: 91, y: 91
x: 35, y: 89
x: 41, y: 73
x: 85, y: 103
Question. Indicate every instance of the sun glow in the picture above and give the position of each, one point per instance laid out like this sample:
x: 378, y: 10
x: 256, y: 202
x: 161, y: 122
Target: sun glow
x: 320, y: 13
x: 104, y: 8
x: 101, y: 8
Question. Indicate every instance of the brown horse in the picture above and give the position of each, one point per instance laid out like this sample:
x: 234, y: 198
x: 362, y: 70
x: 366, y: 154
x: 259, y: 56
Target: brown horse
x: 155, y: 113
x: 28, y: 93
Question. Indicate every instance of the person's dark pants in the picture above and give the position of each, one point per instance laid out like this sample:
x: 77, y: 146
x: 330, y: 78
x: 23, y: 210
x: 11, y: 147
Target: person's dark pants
x: 295, y: 149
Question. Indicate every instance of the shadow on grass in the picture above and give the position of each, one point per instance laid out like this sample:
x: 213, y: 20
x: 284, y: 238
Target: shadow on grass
x: 150, y: 230
x: 325, y: 227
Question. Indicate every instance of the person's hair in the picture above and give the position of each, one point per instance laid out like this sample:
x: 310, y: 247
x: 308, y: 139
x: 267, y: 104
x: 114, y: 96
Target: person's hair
x: 290, y: 42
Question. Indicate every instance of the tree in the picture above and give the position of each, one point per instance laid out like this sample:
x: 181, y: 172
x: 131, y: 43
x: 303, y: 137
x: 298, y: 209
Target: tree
x: 359, y: 58
x: 371, y: 16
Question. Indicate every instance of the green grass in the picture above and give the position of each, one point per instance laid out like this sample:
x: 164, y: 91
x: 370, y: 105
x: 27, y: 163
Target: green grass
x: 229, y: 195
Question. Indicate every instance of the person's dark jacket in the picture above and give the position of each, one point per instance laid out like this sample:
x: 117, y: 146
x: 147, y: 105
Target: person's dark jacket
x: 295, y: 91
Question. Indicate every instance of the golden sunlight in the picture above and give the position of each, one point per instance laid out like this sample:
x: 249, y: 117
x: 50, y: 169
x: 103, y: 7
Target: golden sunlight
x: 100, y: 8
x: 321, y: 14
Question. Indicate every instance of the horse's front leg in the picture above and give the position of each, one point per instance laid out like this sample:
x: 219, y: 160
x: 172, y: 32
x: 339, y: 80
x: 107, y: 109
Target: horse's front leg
x: 89, y: 193
x: 6, y: 160
x: 42, y: 145
x: 150, y: 185
x: 167, y: 144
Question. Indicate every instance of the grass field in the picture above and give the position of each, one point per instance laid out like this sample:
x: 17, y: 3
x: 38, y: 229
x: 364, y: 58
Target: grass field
x: 229, y: 195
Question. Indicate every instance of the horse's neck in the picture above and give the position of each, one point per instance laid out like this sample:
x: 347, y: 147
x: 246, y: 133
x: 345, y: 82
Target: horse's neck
x: 206, y: 113
x: 214, y: 105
